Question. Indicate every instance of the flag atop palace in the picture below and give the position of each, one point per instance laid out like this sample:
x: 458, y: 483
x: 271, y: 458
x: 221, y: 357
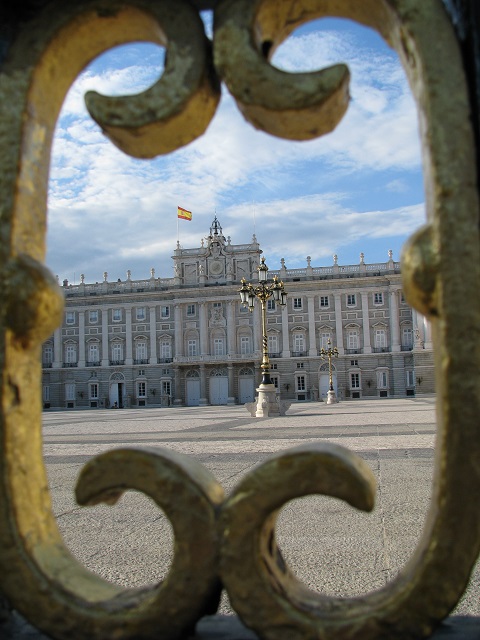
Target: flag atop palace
x: 184, y: 214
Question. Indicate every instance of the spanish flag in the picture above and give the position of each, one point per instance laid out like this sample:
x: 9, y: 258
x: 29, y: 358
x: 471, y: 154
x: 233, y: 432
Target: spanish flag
x: 184, y: 214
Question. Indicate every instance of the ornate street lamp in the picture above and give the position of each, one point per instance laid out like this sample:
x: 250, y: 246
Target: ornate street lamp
x: 263, y: 291
x: 330, y: 353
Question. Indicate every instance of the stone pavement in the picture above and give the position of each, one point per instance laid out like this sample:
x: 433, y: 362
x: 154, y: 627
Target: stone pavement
x: 332, y: 547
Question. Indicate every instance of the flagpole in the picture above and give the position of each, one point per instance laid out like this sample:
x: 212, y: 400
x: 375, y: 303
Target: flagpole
x: 178, y: 230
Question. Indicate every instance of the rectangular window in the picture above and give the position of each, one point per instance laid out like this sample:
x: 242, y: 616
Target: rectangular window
x: 407, y: 337
x: 93, y: 353
x: 354, y: 363
x: 351, y: 300
x: 297, y: 303
x: 245, y: 345
x: 324, y: 301
x: 166, y: 388
x: 218, y: 346
x: 141, y: 389
x: 355, y: 381
x: 352, y: 339
x: 410, y: 378
x: 70, y: 391
x: 298, y: 342
x: 274, y: 380
x: 165, y: 311
x: 273, y: 344
x: 190, y: 309
x: 47, y: 357
x: 192, y: 348
x: 93, y: 390
x: 165, y: 349
x: 300, y: 365
x: 141, y: 350
x: 93, y: 316
x: 300, y: 382
x: 141, y: 313
x: 378, y: 298
x: 70, y: 353
x: 141, y: 372
x: 324, y: 338
x: 116, y: 315
x: 380, y: 338
x: 382, y: 379
x: 270, y: 304
x: 117, y: 351
x: 70, y: 317
x: 46, y: 393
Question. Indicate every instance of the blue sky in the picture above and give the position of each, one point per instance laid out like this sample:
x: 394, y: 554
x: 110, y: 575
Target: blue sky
x: 358, y: 189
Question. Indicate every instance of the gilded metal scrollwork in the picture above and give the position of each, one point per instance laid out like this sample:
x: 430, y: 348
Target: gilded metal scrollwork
x: 42, y: 56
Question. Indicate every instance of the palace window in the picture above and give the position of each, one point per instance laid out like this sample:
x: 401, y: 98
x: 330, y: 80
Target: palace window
x: 70, y: 391
x: 218, y: 346
x: 380, y: 338
x: 274, y: 380
x: 93, y: 390
x: 407, y: 337
x: 270, y: 304
x: 325, y: 336
x: 166, y: 388
x: 245, y: 345
x: 410, y: 378
x: 47, y: 357
x: 273, y: 344
x: 355, y: 381
x: 190, y: 309
x: 192, y: 348
x: 46, y: 393
x: 93, y: 352
x: 382, y: 379
x: 351, y: 300
x: 378, y: 297
x: 300, y: 365
x: 116, y: 315
x: 70, y: 353
x: 298, y: 342
x: 297, y: 303
x: 117, y: 351
x: 141, y: 350
x: 352, y: 339
x: 141, y: 389
x: 324, y: 301
x: 165, y: 349
x: 165, y: 311
x: 300, y: 383
x: 93, y: 317
x: 141, y: 313
x: 70, y: 317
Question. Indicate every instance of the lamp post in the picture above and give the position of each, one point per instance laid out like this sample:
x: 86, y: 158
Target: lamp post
x: 266, y: 401
x: 330, y: 353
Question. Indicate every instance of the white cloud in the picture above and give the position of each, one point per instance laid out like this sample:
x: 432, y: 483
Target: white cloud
x: 109, y: 212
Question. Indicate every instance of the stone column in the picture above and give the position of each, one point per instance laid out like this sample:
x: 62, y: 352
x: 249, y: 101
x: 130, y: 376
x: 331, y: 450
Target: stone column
x: 177, y: 314
x: 81, y: 338
x: 105, y: 355
x: 128, y: 336
x: 231, y: 346
x: 394, y: 321
x: 57, y: 348
x: 418, y: 335
x: 428, y: 334
x: 153, y: 336
x: 312, y: 340
x: 338, y: 323
x: 367, y: 345
x: 203, y: 319
x: 285, y: 334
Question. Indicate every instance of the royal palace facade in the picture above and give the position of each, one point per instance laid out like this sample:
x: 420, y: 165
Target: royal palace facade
x: 187, y: 340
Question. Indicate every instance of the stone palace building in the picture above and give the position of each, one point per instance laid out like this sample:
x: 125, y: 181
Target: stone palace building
x: 187, y: 340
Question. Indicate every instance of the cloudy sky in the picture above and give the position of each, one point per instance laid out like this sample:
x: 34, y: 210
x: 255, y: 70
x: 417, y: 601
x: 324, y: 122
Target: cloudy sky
x: 358, y: 189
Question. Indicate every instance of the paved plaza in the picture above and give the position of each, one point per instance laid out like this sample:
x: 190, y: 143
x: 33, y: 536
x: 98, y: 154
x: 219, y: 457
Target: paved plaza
x: 332, y: 547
